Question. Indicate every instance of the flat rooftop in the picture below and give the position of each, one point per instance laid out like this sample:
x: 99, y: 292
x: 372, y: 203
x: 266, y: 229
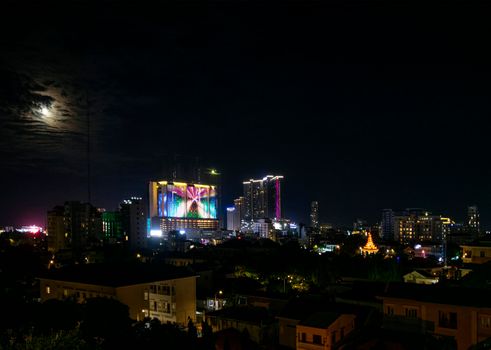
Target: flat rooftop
x: 117, y: 275
x: 320, y: 319
x: 459, y: 296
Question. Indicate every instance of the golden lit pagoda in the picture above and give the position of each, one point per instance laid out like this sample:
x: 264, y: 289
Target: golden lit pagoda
x: 370, y: 247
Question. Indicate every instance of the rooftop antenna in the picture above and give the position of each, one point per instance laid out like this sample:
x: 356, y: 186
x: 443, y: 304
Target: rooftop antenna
x: 198, y: 170
x: 89, y: 194
x: 174, y: 168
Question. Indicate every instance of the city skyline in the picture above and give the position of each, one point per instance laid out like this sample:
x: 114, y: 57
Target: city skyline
x: 352, y: 114
x: 234, y: 174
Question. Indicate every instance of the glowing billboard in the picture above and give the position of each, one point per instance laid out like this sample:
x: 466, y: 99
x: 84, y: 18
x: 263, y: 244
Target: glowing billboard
x: 181, y: 200
x: 213, y: 202
x: 176, y: 200
x: 198, y: 202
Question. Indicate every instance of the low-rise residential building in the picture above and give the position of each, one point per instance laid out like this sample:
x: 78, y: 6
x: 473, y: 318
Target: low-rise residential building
x: 162, y: 292
x: 420, y: 277
x: 476, y: 253
x: 458, y: 315
x: 433, y: 275
x: 257, y: 321
x: 323, y: 330
x: 296, y: 310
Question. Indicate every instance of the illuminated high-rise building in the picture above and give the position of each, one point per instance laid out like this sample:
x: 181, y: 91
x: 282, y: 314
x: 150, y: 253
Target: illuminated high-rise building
x: 262, y: 198
x: 418, y: 225
x: 239, y: 205
x: 233, y: 221
x: 273, y: 196
x: 473, y: 221
x: 314, y: 215
x: 112, y: 226
x: 56, y: 229
x: 235, y: 215
x: 134, y: 222
x: 180, y: 206
x: 387, y: 225
x: 74, y: 226
x: 253, y: 199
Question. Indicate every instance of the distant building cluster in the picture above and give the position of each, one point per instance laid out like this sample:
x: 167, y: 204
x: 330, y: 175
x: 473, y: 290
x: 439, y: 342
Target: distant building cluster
x: 76, y: 226
x: 259, y: 211
x: 180, y: 211
x: 418, y: 225
x: 413, y: 225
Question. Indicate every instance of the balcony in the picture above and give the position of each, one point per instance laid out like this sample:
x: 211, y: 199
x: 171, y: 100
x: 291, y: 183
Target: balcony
x: 162, y: 297
x: 408, y: 324
x: 308, y: 345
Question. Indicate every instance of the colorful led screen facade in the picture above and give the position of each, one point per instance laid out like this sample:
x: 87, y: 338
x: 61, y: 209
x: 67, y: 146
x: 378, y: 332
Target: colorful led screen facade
x: 175, y: 201
x: 213, y: 202
x: 181, y: 200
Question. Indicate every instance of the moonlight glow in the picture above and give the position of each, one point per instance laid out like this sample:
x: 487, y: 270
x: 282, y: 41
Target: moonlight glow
x: 45, y: 111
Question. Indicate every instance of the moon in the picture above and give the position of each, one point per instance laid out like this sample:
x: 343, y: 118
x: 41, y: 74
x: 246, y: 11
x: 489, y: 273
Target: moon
x: 45, y: 111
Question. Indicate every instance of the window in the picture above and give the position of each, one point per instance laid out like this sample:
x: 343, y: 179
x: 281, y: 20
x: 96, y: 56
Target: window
x: 482, y: 254
x: 166, y: 307
x: 154, y: 306
x: 48, y: 290
x: 389, y: 310
x: 333, y: 337
x: 303, y: 337
x: 411, y: 312
x: 485, y: 321
x: 317, y: 339
x: 342, y: 333
x: 447, y: 319
x: 145, y: 295
x: 165, y: 290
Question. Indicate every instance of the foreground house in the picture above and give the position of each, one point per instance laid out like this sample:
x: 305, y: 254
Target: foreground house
x: 323, y: 330
x: 459, y: 315
x: 163, y: 292
x: 255, y: 321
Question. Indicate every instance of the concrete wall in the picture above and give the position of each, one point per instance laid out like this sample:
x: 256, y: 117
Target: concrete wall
x: 287, y: 332
x: 344, y: 322
x: 134, y: 297
x: 185, y: 299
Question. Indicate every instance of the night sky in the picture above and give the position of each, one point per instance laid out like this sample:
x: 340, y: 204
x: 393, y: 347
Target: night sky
x: 361, y: 105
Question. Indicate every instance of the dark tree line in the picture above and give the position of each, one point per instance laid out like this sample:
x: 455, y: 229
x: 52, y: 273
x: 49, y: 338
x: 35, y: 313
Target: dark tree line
x: 99, y: 323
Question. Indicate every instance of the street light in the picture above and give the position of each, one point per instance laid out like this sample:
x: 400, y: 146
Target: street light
x: 284, y: 282
x: 216, y: 302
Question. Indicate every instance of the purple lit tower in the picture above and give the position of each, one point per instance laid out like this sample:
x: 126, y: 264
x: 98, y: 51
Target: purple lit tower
x: 263, y: 198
